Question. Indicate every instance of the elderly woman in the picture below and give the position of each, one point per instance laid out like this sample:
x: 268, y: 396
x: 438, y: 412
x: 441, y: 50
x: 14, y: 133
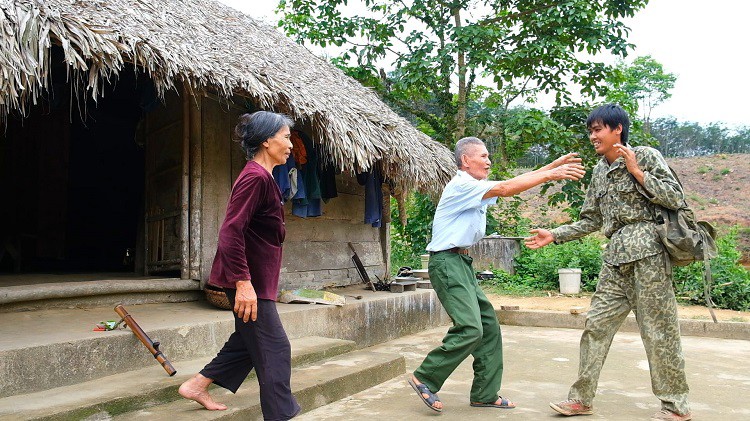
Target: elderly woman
x: 247, y: 264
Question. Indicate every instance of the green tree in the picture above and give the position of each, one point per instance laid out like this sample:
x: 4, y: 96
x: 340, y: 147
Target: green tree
x: 640, y: 86
x: 691, y: 139
x: 439, y: 52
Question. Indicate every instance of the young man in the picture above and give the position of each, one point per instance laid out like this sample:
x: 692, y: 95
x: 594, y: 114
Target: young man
x: 460, y: 221
x: 636, y: 273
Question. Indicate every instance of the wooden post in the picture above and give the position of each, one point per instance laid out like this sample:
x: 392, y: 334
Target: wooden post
x: 196, y: 188
x: 185, y: 187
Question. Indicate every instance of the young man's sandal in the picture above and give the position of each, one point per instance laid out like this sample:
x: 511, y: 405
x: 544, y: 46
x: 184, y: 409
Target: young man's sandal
x: 666, y: 415
x: 431, y: 398
x: 504, y: 404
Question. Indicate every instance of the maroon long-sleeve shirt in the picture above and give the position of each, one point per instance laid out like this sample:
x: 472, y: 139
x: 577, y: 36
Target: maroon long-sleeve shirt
x: 252, y: 234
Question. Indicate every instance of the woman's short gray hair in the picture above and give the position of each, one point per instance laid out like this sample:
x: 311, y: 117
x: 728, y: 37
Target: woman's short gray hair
x: 462, y: 145
x: 254, y: 129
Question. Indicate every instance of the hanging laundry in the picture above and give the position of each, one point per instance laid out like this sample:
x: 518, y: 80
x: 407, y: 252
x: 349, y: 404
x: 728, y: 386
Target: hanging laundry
x: 308, y: 203
x: 372, y: 180
x: 327, y: 175
x: 298, y: 147
x: 281, y: 174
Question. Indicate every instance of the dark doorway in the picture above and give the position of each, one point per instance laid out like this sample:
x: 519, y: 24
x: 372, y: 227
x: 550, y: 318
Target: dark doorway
x: 72, y: 179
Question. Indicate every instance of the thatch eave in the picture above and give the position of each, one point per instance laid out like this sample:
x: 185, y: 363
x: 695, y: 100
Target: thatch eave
x: 208, y: 45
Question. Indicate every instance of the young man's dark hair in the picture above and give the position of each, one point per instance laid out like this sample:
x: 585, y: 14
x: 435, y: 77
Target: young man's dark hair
x: 611, y: 115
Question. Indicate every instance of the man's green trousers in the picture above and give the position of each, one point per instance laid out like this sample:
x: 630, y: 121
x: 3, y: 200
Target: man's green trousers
x: 475, y: 329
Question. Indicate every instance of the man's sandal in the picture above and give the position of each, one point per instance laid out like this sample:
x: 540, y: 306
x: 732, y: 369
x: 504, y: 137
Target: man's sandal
x: 431, y: 397
x: 504, y: 404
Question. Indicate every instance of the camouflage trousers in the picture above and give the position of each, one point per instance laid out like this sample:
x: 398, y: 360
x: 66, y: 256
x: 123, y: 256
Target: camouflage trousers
x: 644, y: 286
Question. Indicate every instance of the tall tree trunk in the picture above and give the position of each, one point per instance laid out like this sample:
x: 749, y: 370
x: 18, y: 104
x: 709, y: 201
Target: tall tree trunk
x: 461, y: 106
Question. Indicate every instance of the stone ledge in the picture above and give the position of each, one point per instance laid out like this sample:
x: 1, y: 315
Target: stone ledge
x: 87, y: 294
x: 560, y: 319
x: 46, y: 291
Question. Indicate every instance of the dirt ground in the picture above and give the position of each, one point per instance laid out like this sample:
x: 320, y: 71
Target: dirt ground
x: 559, y: 302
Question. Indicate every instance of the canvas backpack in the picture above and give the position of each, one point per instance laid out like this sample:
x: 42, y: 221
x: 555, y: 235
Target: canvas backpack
x: 687, y: 240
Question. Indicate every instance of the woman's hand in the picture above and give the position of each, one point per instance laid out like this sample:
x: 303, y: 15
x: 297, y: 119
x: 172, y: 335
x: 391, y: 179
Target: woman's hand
x: 246, y: 301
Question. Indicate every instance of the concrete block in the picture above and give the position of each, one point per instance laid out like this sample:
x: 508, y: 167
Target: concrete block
x: 424, y: 284
x: 401, y: 286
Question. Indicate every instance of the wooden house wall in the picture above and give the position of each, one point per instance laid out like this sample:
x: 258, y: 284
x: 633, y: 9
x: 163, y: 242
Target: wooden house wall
x: 316, y: 253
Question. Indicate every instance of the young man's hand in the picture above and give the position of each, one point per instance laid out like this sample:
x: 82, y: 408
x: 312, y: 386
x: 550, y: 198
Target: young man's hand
x: 630, y: 161
x: 541, y: 239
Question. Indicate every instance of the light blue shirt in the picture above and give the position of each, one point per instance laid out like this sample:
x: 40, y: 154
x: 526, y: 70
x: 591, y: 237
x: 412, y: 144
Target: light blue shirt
x: 461, y: 215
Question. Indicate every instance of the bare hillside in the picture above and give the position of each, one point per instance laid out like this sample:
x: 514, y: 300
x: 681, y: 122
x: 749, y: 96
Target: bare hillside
x: 717, y: 187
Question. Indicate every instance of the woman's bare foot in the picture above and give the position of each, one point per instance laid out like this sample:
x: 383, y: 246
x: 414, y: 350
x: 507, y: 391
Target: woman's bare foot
x: 196, y: 389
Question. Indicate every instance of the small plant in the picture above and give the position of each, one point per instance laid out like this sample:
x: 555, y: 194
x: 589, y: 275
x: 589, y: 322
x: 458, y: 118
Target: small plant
x: 713, y: 201
x: 725, y: 171
x: 703, y: 169
x: 697, y: 199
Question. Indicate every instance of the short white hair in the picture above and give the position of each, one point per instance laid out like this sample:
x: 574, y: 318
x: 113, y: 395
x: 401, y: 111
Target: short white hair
x: 462, y: 145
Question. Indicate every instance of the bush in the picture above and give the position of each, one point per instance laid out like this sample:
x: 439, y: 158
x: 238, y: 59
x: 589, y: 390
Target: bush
x: 409, y: 242
x: 731, y: 281
x: 537, y: 269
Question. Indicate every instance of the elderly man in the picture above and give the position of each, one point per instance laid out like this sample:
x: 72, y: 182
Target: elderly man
x: 460, y: 221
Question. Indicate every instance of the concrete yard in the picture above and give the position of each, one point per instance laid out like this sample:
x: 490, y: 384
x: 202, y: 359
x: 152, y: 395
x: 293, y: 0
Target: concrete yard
x: 540, y: 365
x: 541, y: 360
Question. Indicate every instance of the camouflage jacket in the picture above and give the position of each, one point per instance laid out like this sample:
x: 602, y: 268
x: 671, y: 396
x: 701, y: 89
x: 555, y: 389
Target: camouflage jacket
x: 616, y: 203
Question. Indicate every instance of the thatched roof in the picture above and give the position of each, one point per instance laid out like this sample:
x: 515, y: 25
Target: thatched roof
x: 209, y: 45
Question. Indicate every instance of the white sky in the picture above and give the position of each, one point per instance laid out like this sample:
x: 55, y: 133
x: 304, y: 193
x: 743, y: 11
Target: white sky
x: 703, y: 43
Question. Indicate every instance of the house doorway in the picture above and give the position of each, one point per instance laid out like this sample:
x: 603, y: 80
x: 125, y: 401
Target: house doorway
x: 72, y: 180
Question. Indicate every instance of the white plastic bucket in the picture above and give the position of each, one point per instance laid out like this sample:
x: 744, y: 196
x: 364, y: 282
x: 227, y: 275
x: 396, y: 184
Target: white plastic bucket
x: 425, y: 259
x: 570, y: 281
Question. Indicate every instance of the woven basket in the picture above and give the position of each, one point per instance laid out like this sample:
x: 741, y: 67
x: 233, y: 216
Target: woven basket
x: 217, y: 298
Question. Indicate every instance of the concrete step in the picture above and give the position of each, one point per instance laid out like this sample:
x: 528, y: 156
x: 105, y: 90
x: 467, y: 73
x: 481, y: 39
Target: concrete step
x: 141, y: 388
x: 48, y: 349
x: 314, y: 385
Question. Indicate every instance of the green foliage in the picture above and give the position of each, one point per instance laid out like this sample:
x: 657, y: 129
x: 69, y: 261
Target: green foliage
x: 731, y: 281
x: 509, y: 133
x: 537, y: 269
x: 506, y: 219
x: 408, y: 242
x: 640, y: 86
x: 677, y: 138
x: 442, y: 51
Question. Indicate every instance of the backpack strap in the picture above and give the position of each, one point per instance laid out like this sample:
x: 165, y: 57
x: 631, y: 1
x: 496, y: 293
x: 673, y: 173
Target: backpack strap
x: 707, y: 280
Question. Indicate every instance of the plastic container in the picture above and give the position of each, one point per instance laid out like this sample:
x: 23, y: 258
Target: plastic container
x: 425, y: 259
x: 570, y: 281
